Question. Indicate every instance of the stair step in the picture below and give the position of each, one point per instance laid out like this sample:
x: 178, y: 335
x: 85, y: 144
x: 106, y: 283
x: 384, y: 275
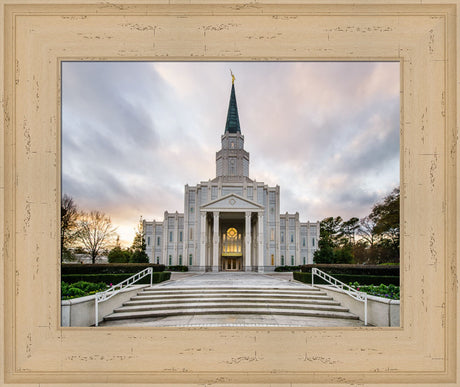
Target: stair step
x: 208, y: 311
x: 232, y: 305
x: 168, y: 297
x: 163, y: 291
x: 163, y: 301
x: 296, y: 288
x: 261, y: 299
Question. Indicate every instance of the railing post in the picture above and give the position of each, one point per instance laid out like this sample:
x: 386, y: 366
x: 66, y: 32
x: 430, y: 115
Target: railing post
x: 312, y: 276
x: 344, y: 287
x: 119, y: 287
x: 96, y: 311
x: 365, y: 308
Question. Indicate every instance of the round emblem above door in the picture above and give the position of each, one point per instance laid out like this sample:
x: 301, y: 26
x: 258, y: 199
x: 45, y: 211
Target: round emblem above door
x: 232, y: 201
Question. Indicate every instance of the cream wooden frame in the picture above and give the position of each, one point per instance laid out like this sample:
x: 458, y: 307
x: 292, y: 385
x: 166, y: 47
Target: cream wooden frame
x: 37, y: 35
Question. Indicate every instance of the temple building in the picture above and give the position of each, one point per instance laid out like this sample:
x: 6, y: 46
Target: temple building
x: 231, y: 222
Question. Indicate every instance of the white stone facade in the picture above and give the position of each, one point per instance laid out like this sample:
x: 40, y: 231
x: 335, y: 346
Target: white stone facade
x: 231, y: 222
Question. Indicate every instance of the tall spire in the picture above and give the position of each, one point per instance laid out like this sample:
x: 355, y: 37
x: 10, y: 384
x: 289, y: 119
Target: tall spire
x: 233, y: 120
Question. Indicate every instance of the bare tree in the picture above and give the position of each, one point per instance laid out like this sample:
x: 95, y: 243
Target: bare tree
x: 95, y: 232
x: 69, y: 218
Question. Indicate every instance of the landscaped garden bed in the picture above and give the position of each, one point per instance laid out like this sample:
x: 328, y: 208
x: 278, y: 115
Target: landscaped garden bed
x: 81, y: 289
x: 81, y: 285
x: 387, y: 291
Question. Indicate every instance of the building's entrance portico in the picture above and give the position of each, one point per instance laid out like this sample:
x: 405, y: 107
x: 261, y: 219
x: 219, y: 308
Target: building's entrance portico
x: 230, y: 237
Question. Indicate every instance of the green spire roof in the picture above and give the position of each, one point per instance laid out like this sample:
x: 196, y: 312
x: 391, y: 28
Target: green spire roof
x: 233, y: 121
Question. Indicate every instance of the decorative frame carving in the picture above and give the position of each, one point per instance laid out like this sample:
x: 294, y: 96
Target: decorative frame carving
x: 38, y: 35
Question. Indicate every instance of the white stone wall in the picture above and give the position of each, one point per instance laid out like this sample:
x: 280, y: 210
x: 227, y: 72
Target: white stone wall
x: 179, y: 233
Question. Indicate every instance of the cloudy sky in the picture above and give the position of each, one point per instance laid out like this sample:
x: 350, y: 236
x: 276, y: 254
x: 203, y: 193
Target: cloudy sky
x: 134, y: 133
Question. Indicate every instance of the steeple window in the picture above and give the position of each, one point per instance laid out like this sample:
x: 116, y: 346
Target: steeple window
x: 246, y: 167
x: 232, y: 166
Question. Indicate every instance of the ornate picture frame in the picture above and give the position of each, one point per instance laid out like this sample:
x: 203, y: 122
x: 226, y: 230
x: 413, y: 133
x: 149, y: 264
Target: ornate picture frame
x: 38, y: 35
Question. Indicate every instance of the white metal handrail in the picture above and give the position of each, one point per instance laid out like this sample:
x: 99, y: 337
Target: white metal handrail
x: 109, y: 293
x: 352, y: 292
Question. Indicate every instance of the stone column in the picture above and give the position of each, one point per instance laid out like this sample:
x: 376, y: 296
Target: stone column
x: 215, y: 247
x: 260, y: 247
x: 298, y: 258
x: 165, y: 239
x: 203, y: 242
x: 247, y: 238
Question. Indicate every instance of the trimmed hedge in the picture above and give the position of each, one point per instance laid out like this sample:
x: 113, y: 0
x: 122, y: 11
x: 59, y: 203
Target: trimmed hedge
x: 347, y: 278
x: 177, y: 268
x: 287, y: 268
x: 115, y: 278
x: 377, y: 270
x: 108, y: 268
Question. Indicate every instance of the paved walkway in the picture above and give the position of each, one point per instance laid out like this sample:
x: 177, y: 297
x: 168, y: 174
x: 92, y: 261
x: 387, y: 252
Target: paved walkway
x: 238, y: 279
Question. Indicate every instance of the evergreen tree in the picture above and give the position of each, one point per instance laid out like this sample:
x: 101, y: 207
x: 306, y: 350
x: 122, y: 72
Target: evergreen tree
x: 336, y: 238
x: 119, y: 255
x: 138, y: 247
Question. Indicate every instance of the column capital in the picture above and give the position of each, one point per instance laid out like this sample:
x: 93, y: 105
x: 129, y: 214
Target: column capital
x: 248, y: 213
x: 216, y: 213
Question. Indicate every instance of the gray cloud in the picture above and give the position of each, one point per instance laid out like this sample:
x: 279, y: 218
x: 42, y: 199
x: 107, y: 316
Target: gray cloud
x: 135, y: 133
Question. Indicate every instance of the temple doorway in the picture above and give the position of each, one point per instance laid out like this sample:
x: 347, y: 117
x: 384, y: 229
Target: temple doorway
x: 232, y: 250
x: 232, y: 264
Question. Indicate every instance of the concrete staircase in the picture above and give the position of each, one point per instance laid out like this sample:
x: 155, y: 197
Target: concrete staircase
x: 181, y: 301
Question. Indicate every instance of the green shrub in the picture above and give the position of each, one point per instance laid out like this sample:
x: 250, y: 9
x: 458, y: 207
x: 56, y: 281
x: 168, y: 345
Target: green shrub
x: 80, y: 289
x: 385, y: 270
x: 117, y: 255
x: 139, y: 256
x: 287, y: 268
x: 88, y: 287
x: 325, y: 254
x: 387, y: 291
x: 73, y: 293
x: 343, y: 255
x: 177, y: 268
x: 346, y: 278
x: 108, y: 268
x: 114, y: 278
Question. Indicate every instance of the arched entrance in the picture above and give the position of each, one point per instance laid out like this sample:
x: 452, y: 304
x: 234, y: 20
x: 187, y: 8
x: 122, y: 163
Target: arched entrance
x: 232, y: 250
